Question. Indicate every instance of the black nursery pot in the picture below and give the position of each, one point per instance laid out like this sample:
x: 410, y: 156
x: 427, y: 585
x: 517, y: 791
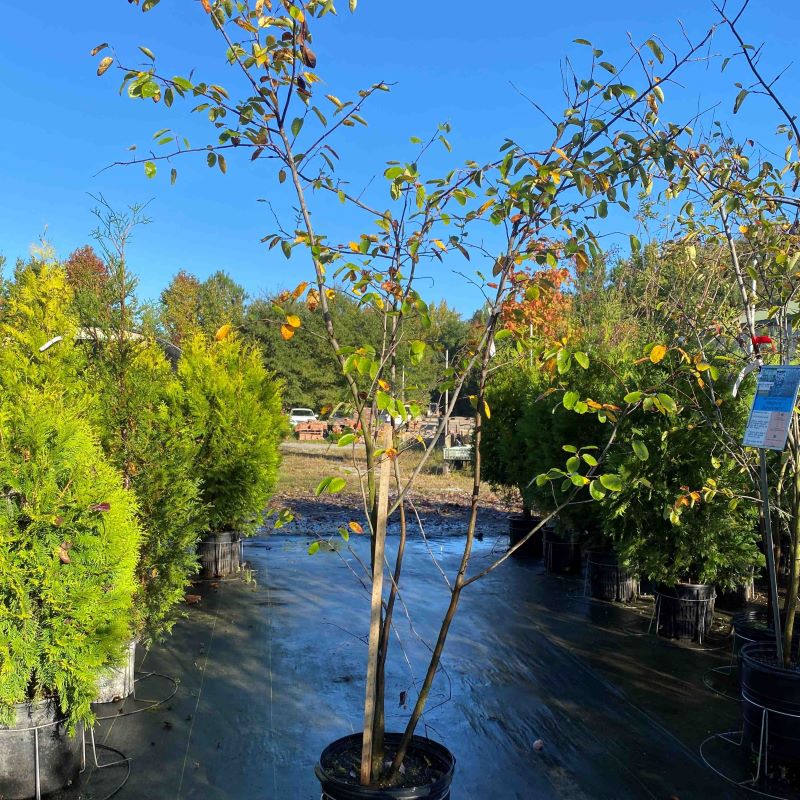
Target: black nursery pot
x: 60, y: 756
x: 562, y: 555
x: 607, y: 580
x: 685, y: 611
x: 220, y: 554
x: 337, y: 757
x: 736, y: 599
x: 770, y: 703
x: 519, y: 526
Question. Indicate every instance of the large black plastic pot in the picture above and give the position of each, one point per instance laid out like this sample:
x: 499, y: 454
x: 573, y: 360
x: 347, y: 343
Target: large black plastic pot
x: 607, y: 580
x: 561, y: 554
x: 220, y: 554
x: 736, y: 599
x: 519, y: 526
x: 59, y: 756
x: 685, y: 611
x: 755, y: 626
x: 770, y: 705
x: 329, y: 769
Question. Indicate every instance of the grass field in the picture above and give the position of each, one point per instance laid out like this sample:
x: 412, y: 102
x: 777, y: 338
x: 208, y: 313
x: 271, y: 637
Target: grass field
x: 305, y: 464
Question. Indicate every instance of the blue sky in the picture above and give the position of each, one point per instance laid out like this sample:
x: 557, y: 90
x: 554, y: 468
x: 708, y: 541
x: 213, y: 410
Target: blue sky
x: 450, y: 61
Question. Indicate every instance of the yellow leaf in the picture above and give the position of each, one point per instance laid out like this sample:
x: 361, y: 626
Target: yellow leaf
x: 287, y: 332
x: 487, y: 204
x: 330, y: 293
x: 299, y: 290
x: 743, y: 229
x: 354, y: 247
x: 355, y: 527
x: 104, y: 65
x: 581, y: 261
x: 293, y: 320
x: 440, y: 244
x: 223, y: 333
x: 561, y: 153
x: 657, y: 353
x: 486, y: 410
x: 384, y: 385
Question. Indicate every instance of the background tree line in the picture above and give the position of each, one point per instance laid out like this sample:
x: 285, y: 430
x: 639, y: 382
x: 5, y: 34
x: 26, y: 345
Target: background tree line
x: 312, y: 378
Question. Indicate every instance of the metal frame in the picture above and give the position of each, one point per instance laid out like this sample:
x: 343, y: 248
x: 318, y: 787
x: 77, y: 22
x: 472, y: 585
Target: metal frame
x: 123, y: 759
x: 150, y: 702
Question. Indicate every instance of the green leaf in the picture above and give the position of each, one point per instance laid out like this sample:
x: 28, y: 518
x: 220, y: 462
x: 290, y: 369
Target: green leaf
x: 313, y: 548
x: 573, y: 463
x: 382, y: 400
x: 569, y: 448
x: 657, y: 51
x: 569, y: 400
x: 563, y: 361
x: 582, y: 359
x: 173, y: 176
x: 579, y: 480
x: 611, y: 481
x: 322, y: 486
x: 348, y: 438
x: 222, y: 164
x: 297, y: 124
x: 287, y: 248
x: 589, y: 459
x: 336, y: 485
x: 583, y: 41
x: 595, y: 491
x: 640, y: 448
x: 737, y: 104
x: 149, y: 169
x: 148, y: 52
x: 633, y: 397
x: 668, y: 403
x: 281, y: 176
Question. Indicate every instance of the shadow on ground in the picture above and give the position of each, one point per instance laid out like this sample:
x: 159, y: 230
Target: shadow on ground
x: 269, y: 673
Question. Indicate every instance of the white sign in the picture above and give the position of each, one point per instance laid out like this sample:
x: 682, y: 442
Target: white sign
x: 773, y: 405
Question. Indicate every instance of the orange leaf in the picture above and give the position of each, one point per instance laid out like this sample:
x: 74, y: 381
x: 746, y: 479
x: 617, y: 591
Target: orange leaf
x: 206, y: 6
x: 391, y: 454
x: 299, y: 290
x: 355, y: 527
x: 223, y: 333
x: 287, y: 332
x: 384, y: 385
x: 293, y: 320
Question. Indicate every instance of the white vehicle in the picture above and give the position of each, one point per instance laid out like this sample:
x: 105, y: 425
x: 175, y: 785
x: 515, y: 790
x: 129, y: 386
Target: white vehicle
x: 301, y: 415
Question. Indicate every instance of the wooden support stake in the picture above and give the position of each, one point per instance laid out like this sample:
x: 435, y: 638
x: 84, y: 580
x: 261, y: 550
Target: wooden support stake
x: 375, y: 615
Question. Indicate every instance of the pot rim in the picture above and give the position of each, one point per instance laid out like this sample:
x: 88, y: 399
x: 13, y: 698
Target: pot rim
x: 440, y: 783
x: 50, y: 703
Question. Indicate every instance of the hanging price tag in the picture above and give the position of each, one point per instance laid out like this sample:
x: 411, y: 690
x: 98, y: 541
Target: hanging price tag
x: 771, y: 414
